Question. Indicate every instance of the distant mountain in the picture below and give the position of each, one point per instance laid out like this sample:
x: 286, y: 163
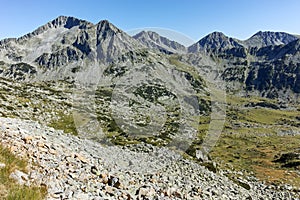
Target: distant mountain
x: 268, y: 62
x: 154, y: 41
x: 268, y: 38
x: 59, y: 22
x: 215, y: 42
x: 67, y: 39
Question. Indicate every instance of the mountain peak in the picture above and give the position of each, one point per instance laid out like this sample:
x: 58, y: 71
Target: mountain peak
x: 105, y: 26
x: 147, y: 34
x: 215, y: 41
x: 68, y: 22
x: 155, y: 41
x: 61, y: 21
x: 216, y: 34
x: 267, y: 38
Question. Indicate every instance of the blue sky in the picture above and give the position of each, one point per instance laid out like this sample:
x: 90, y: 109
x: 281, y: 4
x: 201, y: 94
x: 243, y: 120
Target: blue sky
x: 194, y: 18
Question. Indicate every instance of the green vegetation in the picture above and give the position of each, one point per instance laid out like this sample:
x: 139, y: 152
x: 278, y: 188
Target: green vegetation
x: 9, y: 189
x: 251, y: 140
x: 65, y: 123
x: 191, y: 74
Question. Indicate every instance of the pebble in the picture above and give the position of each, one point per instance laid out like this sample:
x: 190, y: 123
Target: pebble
x: 2, y: 165
x: 19, y: 176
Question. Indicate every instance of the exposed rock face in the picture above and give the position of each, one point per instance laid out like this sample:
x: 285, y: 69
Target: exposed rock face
x: 154, y: 41
x: 82, y: 43
x: 20, y: 71
x: 112, y: 42
x: 268, y: 38
x: 273, y: 77
x: 290, y: 51
x: 59, y: 58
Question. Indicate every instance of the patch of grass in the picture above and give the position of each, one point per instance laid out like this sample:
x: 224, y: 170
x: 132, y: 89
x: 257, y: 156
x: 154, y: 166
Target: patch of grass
x: 251, y: 153
x: 268, y: 116
x: 65, y: 123
x: 250, y: 140
x: 9, y: 189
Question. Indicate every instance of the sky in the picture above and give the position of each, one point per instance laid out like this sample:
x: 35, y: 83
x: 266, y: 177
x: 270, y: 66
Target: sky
x: 192, y: 19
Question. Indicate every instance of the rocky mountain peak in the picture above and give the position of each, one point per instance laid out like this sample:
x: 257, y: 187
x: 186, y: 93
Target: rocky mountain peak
x: 267, y: 38
x: 112, y: 42
x: 157, y: 42
x: 151, y: 34
x: 69, y: 22
x: 59, y: 22
x: 217, y: 34
x: 216, y: 41
x: 105, y: 27
x: 65, y: 22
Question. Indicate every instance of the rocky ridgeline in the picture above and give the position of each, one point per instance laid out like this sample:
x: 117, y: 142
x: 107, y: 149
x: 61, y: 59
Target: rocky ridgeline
x: 75, y: 168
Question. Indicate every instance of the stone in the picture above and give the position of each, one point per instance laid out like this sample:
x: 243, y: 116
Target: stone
x: 110, y: 190
x: 145, y: 192
x: 105, y: 180
x: 201, y: 155
x: 81, y: 158
x: 80, y: 195
x: 66, y: 177
x: 19, y: 176
x: 40, y: 144
x: 2, y: 165
x: 42, y: 149
x: 27, y: 139
x: 113, y: 181
x: 142, y: 192
x: 52, y: 151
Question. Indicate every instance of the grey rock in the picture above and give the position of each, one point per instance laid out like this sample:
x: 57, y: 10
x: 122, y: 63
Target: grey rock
x: 78, y: 195
x: 19, y: 176
x: 2, y: 165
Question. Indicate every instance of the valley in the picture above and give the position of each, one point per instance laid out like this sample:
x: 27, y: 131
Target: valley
x: 235, y: 101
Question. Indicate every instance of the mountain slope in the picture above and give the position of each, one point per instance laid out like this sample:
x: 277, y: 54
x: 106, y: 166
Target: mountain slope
x: 290, y: 50
x: 154, y: 41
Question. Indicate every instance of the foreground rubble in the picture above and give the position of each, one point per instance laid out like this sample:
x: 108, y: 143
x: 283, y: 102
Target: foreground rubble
x: 75, y: 168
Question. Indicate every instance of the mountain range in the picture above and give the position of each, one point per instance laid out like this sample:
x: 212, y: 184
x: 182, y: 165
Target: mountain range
x: 267, y: 63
